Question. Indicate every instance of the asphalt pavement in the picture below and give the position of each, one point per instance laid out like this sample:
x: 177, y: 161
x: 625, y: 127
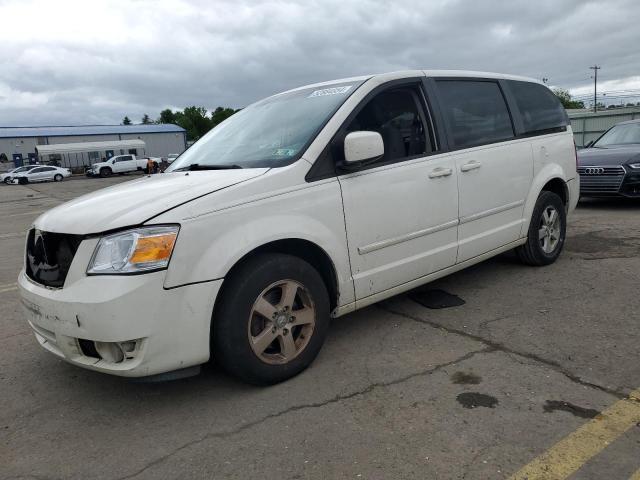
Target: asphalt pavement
x: 535, y: 375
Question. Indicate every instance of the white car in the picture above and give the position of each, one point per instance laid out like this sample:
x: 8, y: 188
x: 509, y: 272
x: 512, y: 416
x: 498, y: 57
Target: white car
x: 303, y: 206
x: 118, y: 164
x: 42, y: 173
x: 8, y: 176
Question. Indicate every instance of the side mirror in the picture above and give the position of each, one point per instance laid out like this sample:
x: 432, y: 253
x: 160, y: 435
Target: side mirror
x: 362, y: 146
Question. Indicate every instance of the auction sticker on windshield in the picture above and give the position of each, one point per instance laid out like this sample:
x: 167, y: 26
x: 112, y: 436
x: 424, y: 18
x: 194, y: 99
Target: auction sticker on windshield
x: 330, y: 91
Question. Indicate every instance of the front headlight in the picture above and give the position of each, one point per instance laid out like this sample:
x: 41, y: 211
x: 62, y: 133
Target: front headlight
x: 134, y: 251
x: 635, y: 166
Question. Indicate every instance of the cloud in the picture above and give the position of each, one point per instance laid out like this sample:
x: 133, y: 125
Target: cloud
x: 77, y: 62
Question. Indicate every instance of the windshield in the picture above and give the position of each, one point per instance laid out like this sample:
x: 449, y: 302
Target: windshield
x: 626, y: 134
x: 270, y: 133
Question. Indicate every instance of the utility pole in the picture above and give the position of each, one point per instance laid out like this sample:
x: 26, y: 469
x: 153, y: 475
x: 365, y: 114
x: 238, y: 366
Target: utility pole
x: 595, y: 69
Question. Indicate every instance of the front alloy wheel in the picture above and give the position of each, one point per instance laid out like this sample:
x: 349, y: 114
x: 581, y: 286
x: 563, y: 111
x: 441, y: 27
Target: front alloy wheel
x: 271, y: 319
x: 281, y: 322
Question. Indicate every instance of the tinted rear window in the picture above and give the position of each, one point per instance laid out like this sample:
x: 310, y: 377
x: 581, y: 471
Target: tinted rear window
x: 540, y: 109
x: 475, y: 111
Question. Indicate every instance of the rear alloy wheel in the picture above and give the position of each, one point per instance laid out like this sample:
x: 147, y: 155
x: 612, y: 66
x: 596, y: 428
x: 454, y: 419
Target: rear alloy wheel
x: 547, y: 231
x: 272, y: 319
x: 58, y: 178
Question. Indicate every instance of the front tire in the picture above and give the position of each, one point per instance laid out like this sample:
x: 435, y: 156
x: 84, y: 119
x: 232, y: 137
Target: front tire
x: 547, y: 231
x: 272, y: 319
x: 105, y: 172
x: 7, y: 180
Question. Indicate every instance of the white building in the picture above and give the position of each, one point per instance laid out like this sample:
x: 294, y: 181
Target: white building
x: 19, y: 144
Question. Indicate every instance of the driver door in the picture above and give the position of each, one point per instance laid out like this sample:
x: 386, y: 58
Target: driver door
x: 401, y: 212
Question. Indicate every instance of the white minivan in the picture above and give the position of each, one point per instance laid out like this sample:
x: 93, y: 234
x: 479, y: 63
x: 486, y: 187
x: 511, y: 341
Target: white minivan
x: 304, y: 206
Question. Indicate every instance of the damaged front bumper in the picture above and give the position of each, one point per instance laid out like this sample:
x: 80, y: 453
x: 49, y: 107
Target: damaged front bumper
x: 124, y: 325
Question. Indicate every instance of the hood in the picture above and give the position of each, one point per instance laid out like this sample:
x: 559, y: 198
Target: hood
x: 134, y: 202
x: 608, y: 156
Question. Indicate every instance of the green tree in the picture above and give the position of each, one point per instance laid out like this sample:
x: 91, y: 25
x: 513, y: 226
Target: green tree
x: 220, y: 114
x: 566, y: 99
x: 126, y: 121
x: 146, y: 120
x: 195, y: 121
x: 167, y: 116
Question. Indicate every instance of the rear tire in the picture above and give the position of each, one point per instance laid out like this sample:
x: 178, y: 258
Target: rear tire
x: 547, y: 231
x: 105, y: 172
x: 272, y: 319
x: 58, y: 178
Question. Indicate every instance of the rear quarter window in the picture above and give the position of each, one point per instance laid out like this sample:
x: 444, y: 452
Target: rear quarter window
x: 476, y: 112
x: 540, y: 109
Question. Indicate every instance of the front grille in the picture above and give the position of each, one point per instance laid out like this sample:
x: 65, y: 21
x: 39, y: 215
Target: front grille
x: 49, y: 256
x: 601, y: 179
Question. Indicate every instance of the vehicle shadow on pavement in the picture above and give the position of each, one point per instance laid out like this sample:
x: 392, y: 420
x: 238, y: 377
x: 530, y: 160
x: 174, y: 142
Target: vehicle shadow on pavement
x: 607, y: 203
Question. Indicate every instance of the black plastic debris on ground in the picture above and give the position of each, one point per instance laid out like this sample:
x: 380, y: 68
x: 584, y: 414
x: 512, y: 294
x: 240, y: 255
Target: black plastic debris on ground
x: 475, y: 399
x: 435, y: 298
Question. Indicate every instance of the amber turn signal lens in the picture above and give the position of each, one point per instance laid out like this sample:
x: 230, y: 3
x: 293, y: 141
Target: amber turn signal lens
x: 154, y: 248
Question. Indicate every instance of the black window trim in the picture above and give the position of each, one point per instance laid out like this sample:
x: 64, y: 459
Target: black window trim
x: 320, y: 170
x: 445, y: 125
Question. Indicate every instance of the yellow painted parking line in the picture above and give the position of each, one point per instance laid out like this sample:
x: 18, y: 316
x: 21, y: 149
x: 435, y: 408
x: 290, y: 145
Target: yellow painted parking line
x: 33, y: 212
x: 570, y: 453
x: 9, y: 287
x: 13, y: 235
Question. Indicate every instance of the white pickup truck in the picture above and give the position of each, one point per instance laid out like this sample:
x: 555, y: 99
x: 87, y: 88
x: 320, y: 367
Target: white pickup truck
x: 118, y: 164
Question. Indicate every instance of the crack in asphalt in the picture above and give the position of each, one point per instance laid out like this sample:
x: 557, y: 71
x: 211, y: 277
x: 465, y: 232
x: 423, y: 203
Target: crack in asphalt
x: 497, y: 346
x: 295, y: 408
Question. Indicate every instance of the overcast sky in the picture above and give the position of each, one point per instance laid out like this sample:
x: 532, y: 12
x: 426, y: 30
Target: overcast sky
x: 94, y: 61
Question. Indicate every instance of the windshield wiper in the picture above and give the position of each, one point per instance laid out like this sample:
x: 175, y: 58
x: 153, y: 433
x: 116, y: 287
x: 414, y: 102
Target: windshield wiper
x: 197, y: 166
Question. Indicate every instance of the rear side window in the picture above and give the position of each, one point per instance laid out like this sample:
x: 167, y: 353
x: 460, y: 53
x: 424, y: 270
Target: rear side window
x: 540, y: 109
x: 475, y: 111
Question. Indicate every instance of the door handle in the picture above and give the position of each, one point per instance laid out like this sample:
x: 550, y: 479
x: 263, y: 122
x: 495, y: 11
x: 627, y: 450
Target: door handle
x: 440, y: 172
x: 472, y: 165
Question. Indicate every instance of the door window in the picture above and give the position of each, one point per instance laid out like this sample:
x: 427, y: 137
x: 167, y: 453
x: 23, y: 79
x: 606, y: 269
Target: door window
x: 133, y: 151
x: 539, y: 108
x: 37, y: 170
x: 475, y: 112
x: 397, y: 115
